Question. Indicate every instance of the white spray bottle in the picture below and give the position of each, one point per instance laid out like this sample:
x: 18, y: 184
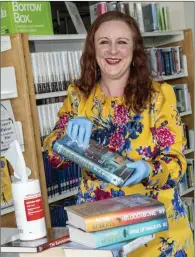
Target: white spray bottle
x: 27, y: 197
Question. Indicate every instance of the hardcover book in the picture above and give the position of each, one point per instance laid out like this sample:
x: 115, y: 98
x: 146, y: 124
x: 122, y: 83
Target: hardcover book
x: 115, y: 212
x: 73, y: 249
x: 55, y: 237
x: 98, y: 159
x: 117, y: 235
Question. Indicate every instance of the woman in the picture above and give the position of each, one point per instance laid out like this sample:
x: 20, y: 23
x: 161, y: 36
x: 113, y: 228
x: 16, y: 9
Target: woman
x: 133, y: 116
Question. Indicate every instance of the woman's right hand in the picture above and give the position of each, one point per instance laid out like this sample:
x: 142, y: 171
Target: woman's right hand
x: 79, y: 130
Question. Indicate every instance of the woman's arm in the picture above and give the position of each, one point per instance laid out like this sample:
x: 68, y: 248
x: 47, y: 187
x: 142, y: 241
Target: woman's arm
x: 169, y: 163
x: 68, y: 111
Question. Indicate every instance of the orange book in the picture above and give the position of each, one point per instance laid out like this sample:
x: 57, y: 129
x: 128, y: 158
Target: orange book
x: 115, y: 212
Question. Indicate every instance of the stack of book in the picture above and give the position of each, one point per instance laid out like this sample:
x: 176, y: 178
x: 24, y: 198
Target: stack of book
x: 118, y: 220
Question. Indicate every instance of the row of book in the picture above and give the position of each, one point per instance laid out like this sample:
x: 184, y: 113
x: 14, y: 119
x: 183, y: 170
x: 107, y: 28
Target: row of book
x: 53, y: 71
x: 59, y: 182
x: 47, y: 115
x: 183, y: 97
x: 149, y: 16
x: 166, y: 61
x: 57, y: 214
x: 188, y: 178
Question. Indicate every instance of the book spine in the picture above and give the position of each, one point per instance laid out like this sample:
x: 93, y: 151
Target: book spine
x: 91, y: 166
x: 130, y: 216
x: 53, y: 243
x: 129, y: 232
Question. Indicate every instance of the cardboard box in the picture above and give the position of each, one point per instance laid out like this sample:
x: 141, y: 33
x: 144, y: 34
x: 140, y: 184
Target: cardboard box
x: 33, y: 18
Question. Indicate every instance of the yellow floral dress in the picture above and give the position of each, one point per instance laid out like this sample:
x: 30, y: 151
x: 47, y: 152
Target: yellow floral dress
x: 155, y: 135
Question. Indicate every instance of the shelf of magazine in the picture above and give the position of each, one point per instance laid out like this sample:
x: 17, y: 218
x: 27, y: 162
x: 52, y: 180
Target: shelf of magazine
x: 63, y: 196
x: 7, y: 210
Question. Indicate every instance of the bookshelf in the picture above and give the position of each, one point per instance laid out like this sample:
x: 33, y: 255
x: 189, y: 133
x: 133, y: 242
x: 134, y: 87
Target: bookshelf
x: 35, y: 44
x: 14, y: 56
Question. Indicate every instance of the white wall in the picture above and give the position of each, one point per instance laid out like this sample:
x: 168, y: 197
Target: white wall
x: 176, y: 14
x: 189, y: 17
x: 181, y: 15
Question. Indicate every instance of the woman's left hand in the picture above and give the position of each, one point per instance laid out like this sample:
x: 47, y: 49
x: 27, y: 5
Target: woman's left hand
x: 142, y: 171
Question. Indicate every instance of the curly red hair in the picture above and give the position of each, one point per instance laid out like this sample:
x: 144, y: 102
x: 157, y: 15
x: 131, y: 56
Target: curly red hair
x: 138, y: 90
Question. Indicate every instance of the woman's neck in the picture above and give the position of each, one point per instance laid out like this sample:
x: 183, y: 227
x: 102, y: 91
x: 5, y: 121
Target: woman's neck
x: 112, y: 87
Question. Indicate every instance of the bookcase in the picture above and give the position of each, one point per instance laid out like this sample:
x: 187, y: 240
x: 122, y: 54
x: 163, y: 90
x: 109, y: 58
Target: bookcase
x: 23, y: 112
x: 35, y: 44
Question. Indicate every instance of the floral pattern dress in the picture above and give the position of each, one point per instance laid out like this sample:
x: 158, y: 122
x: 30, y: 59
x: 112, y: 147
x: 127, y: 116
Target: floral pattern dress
x: 155, y: 135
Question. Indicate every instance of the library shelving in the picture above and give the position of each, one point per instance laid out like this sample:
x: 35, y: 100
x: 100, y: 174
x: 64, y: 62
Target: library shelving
x: 37, y: 44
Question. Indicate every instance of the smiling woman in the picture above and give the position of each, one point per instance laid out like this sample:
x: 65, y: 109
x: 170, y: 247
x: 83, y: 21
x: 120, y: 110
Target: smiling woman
x: 116, y: 103
x: 114, y: 53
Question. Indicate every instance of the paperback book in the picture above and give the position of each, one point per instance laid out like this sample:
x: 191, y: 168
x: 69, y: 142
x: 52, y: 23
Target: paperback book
x: 115, y: 212
x: 117, y: 235
x: 55, y: 237
x: 98, y: 159
x: 72, y: 249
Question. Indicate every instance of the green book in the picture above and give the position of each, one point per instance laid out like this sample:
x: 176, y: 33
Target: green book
x: 97, y: 158
x: 33, y: 18
x: 165, y: 15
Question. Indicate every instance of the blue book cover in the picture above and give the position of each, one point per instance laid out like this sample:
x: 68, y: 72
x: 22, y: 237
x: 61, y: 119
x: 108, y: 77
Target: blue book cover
x: 98, y: 159
x: 150, y: 17
x: 117, y: 235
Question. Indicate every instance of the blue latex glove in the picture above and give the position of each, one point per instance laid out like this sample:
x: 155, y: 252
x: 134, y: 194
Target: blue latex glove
x: 79, y: 130
x: 142, y: 171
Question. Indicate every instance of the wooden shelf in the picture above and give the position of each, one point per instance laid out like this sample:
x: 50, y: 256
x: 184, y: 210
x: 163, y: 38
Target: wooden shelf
x: 7, y: 210
x: 51, y: 94
x: 64, y: 195
x: 189, y: 190
x: 187, y: 151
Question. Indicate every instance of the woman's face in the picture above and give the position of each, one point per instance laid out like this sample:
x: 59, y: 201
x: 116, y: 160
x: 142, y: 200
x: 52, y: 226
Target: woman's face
x: 114, y: 49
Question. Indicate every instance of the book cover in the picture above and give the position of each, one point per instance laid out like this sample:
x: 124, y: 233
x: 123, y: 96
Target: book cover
x: 28, y: 17
x: 150, y: 17
x: 114, y: 212
x: 55, y: 237
x: 6, y: 190
x: 98, y: 159
x: 76, y: 18
x: 117, y: 235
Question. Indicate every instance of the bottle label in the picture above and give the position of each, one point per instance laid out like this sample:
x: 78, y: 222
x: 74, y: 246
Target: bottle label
x: 34, y: 207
